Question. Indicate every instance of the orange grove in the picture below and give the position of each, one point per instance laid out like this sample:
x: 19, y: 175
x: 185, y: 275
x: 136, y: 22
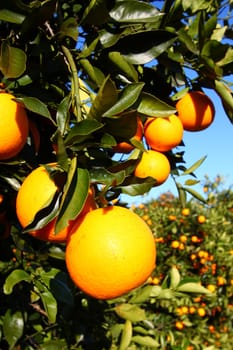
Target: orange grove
x: 154, y: 164
x: 109, y: 252
x: 196, y: 111
x: 35, y: 193
x: 14, y: 123
x: 163, y: 134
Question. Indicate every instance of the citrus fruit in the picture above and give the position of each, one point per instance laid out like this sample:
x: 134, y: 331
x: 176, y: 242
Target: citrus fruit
x: 163, y: 134
x: 109, y: 252
x: 196, y: 111
x: 154, y: 164
x: 125, y: 147
x: 35, y: 193
x: 14, y: 124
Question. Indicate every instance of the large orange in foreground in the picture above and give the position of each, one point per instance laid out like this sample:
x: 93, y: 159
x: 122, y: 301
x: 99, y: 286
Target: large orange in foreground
x: 163, y: 134
x: 13, y: 125
x: 109, y: 252
x: 35, y: 193
x: 196, y: 111
x: 154, y: 164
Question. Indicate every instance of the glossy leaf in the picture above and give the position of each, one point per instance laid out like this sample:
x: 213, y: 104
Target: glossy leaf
x: 50, y: 305
x: 123, y: 65
x: 15, y: 277
x: 136, y: 189
x: 150, y: 105
x: 13, y: 326
x: 62, y: 115
x: 82, y: 130
x: 74, y: 196
x: 134, y: 12
x: 127, y: 98
x: 106, y: 177
x: 34, y: 105
x: 12, y: 61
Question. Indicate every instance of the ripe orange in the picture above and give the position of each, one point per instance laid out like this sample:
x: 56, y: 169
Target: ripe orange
x: 201, y: 219
x: 14, y: 126
x: 109, y: 252
x: 163, y: 134
x: 185, y: 211
x: 125, y: 147
x: 35, y: 193
x: 196, y: 111
x: 154, y: 164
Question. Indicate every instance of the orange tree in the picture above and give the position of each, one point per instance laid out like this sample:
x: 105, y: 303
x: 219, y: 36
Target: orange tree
x: 86, y: 73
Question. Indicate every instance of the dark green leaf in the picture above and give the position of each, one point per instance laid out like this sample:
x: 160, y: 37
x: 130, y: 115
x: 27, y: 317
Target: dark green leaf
x: 130, y: 312
x: 62, y: 115
x: 150, y: 105
x: 215, y: 50
x: 69, y: 28
x: 123, y: 65
x: 105, y: 99
x: 127, y: 98
x: 105, y: 177
x: 96, y: 12
x: 94, y: 73
x: 134, y: 12
x: 13, y: 326
x: 12, y: 61
x: 60, y: 289
x: 16, y: 276
x: 187, y: 41
x: 82, y: 130
x: 74, y: 196
x: 136, y: 189
x: 34, y: 105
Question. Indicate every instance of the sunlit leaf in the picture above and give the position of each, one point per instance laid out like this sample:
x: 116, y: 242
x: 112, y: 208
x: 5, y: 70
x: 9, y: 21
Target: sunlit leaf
x: 7, y: 15
x: 191, y: 287
x: 13, y: 326
x: 150, y: 105
x: 130, y: 312
x: 15, y: 277
x: 50, y: 305
x: 123, y: 65
x: 195, y: 166
x: 126, y: 335
x: 145, y: 341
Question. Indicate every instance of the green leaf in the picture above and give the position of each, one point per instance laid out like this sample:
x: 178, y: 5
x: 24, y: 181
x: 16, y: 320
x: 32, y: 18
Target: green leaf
x: 105, y: 99
x: 96, y: 13
x: 60, y: 289
x: 69, y: 28
x: 191, y: 182
x: 82, y: 130
x: 138, y: 188
x: 192, y: 287
x: 59, y: 344
x: 15, y: 277
x: 34, y: 105
x: 226, y: 96
x: 141, y: 295
x: 145, y: 341
x: 194, y: 167
x: 11, y: 17
x: 152, y: 106
x: 123, y: 65
x: 194, y: 193
x: 94, y: 73
x: 126, y: 335
x: 12, y: 61
x: 13, y: 326
x: 74, y: 196
x: 134, y: 12
x: 174, y: 277
x: 50, y: 305
x: 103, y: 176
x: 130, y: 312
x: 127, y: 98
x: 62, y: 115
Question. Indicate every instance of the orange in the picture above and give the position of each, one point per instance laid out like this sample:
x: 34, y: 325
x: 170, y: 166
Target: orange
x: 185, y: 211
x: 179, y: 325
x: 196, y: 111
x: 163, y: 134
x: 125, y: 147
x: 14, y: 126
x: 35, y: 193
x: 109, y: 252
x: 201, y: 219
x: 154, y: 164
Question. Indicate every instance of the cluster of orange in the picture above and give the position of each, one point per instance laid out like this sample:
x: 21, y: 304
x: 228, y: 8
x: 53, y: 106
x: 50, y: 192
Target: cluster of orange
x: 195, y: 112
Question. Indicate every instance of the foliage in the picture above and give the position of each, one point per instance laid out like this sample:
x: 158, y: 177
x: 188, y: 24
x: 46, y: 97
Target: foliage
x: 85, y: 71
x: 41, y: 308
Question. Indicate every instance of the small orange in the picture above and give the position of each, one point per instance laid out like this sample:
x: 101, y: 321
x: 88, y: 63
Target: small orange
x: 201, y: 219
x: 163, y: 134
x: 201, y: 311
x: 179, y: 325
x: 35, y: 193
x: 211, y: 288
x: 125, y: 147
x: 14, y: 126
x: 185, y: 211
x: 153, y: 164
x: 175, y: 244
x: 109, y: 252
x: 196, y: 111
